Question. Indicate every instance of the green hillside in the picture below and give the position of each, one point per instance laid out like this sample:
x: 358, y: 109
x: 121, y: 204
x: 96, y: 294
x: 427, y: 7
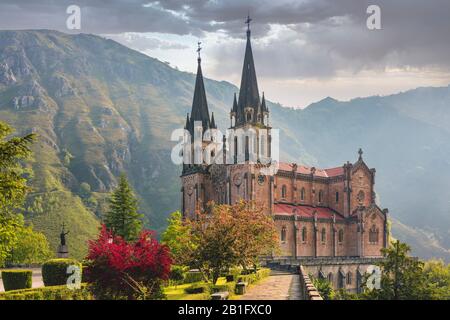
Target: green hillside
x: 100, y: 109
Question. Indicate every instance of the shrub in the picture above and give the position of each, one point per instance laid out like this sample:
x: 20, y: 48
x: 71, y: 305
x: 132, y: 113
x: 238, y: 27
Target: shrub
x: 54, y: 271
x: 177, y: 273
x: 16, y: 279
x: 198, y: 288
x: 48, y: 293
x: 118, y: 269
x: 254, y: 277
x: 230, y: 287
x: 193, y: 276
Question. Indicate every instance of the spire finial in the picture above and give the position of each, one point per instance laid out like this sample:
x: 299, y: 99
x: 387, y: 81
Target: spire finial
x: 247, y: 22
x: 199, y: 48
x: 360, y: 152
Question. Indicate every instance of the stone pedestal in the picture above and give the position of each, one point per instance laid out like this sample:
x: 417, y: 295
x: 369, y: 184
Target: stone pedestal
x: 63, y: 251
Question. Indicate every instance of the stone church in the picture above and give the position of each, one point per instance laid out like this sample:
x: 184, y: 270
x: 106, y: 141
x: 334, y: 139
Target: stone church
x: 327, y: 219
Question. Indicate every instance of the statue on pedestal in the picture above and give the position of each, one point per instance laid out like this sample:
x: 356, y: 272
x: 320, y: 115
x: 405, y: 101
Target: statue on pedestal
x: 63, y: 251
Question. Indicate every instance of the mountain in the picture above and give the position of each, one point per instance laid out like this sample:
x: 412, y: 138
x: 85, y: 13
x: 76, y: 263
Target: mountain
x: 100, y: 109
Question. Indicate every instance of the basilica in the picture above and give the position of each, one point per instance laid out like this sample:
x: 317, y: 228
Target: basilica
x: 327, y: 218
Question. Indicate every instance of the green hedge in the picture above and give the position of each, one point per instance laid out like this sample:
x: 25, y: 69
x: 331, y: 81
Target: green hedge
x: 254, y: 277
x: 54, y: 271
x: 230, y: 287
x: 17, y: 279
x: 193, y: 276
x: 48, y: 293
x: 198, y: 288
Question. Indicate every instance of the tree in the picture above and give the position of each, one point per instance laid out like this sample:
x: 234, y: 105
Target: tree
x: 13, y: 187
x: 117, y: 269
x: 256, y: 233
x: 438, y: 277
x: 228, y: 235
x: 123, y: 218
x: 177, y: 238
x: 31, y: 247
x: 402, y: 276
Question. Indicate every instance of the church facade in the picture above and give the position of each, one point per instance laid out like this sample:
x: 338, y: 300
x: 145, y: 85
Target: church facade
x: 327, y: 219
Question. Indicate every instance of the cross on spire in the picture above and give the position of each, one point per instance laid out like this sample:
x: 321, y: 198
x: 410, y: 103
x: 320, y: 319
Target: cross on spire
x: 199, y: 48
x: 247, y: 22
x: 360, y: 152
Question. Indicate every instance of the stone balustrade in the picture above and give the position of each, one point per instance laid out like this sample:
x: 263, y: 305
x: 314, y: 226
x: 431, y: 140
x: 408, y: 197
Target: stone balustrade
x: 307, y: 289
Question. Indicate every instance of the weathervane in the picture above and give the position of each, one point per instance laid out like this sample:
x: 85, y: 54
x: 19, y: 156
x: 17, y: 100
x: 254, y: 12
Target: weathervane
x: 199, y: 48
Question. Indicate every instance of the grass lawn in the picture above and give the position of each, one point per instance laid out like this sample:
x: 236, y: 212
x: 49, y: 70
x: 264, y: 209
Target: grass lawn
x: 177, y: 292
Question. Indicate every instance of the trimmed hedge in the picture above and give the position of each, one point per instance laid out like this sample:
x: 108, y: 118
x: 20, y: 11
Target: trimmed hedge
x: 254, y: 277
x: 48, y: 293
x: 198, y: 288
x: 54, y: 271
x: 230, y: 287
x: 193, y: 276
x: 17, y: 279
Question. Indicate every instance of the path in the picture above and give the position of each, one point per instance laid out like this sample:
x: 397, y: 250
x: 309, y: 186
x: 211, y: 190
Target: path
x: 36, y: 280
x: 279, y: 285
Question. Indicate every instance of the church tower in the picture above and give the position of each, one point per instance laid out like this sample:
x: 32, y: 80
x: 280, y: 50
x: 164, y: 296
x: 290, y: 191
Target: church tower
x: 199, y: 148
x: 250, y: 114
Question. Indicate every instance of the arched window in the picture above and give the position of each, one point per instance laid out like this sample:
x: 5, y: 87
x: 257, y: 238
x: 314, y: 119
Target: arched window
x: 323, y: 235
x: 247, y: 148
x: 249, y: 116
x: 235, y: 149
x: 283, y: 234
x: 341, y: 236
x: 321, y: 275
x: 302, y: 194
x: 263, y: 146
x: 320, y: 196
x: 341, y: 279
x: 283, y: 191
x: 373, y: 235
x: 349, y: 278
x: 361, y: 196
x: 330, y: 277
x: 304, y: 235
x: 337, y: 197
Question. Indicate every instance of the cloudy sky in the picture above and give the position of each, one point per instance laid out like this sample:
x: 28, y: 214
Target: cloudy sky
x: 304, y: 50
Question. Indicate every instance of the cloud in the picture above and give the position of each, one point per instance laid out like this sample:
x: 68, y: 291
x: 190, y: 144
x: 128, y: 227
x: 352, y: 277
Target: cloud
x: 292, y: 38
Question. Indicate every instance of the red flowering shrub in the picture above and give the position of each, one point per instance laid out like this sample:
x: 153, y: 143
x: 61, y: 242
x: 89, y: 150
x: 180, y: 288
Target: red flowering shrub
x: 117, y: 269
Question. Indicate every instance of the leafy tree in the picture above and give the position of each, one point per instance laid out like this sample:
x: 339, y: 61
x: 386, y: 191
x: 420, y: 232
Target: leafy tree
x: 117, y: 269
x: 228, y: 235
x: 85, y: 190
x: 177, y: 238
x: 438, y: 277
x: 13, y: 185
x: 31, y: 247
x: 123, y: 218
x: 402, y: 276
x: 256, y: 233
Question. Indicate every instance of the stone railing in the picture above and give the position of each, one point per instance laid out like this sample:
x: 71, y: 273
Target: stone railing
x: 307, y: 289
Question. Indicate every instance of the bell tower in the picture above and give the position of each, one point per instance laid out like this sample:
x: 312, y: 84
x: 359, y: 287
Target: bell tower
x: 199, y: 148
x: 249, y: 115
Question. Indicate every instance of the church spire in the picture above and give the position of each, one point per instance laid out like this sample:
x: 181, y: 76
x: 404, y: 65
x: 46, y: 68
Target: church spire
x: 235, y: 105
x: 249, y: 102
x: 200, y: 110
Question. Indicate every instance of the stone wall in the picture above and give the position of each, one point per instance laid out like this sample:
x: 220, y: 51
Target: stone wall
x: 307, y: 289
